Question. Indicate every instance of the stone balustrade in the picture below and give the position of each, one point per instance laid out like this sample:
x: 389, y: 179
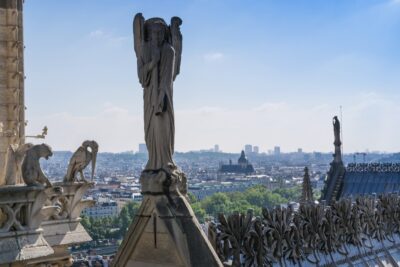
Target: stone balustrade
x: 22, y: 211
x: 63, y: 227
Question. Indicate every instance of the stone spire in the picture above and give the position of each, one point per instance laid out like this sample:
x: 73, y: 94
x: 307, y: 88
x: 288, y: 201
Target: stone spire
x: 307, y: 192
x: 12, y: 108
x: 337, y: 143
x: 334, y: 178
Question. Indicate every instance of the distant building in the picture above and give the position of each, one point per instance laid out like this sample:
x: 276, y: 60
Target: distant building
x: 277, y: 150
x: 358, y: 179
x: 248, y: 149
x: 243, y: 166
x: 256, y: 149
x: 142, y: 149
x: 299, y: 150
x: 216, y: 148
x: 102, y: 209
x: 137, y: 197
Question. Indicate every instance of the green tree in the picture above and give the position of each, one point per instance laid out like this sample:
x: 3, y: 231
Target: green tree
x: 111, y: 227
x: 215, y: 204
x: 254, y: 198
x: 126, y: 217
x: 199, y: 212
x: 291, y: 194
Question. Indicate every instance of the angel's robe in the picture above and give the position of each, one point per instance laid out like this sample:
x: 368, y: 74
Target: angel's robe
x: 159, y: 123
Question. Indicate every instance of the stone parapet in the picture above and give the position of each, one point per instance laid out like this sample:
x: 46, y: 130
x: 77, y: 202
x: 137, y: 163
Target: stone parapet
x: 63, y: 228
x: 22, y: 210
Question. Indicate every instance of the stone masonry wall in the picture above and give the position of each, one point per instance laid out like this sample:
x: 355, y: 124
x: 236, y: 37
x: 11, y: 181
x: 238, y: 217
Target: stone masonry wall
x: 12, y: 108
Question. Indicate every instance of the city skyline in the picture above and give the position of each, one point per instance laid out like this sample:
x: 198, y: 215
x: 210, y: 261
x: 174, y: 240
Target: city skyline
x: 281, y: 86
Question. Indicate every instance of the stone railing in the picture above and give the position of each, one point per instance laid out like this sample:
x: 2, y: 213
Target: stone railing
x: 22, y: 211
x: 315, y: 234
x: 373, y: 167
x: 37, y: 224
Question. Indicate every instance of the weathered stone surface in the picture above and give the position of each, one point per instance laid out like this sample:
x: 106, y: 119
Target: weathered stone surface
x: 11, y: 78
x: 32, y: 173
x: 64, y: 232
x: 23, y: 247
x: 162, y: 235
x: 22, y: 211
x: 158, y: 48
x: 63, y: 227
x: 165, y: 232
x: 85, y: 154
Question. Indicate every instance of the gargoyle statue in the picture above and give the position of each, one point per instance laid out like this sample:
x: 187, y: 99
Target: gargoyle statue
x: 15, y: 157
x: 85, y: 154
x: 31, y: 170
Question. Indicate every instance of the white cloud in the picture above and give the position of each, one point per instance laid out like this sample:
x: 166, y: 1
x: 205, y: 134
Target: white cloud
x: 272, y: 106
x: 107, y: 37
x: 114, y: 128
x: 96, y: 34
x: 367, y: 124
x: 215, y: 56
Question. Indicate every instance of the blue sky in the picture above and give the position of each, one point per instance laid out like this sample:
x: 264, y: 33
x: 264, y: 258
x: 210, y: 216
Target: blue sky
x: 260, y: 72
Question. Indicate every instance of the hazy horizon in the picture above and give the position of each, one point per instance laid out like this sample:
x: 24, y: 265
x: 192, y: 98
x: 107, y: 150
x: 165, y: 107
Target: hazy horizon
x: 259, y: 72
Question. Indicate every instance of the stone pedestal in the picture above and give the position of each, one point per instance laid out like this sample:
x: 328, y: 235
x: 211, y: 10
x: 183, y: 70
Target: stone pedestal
x: 22, y: 211
x: 63, y: 228
x: 165, y: 232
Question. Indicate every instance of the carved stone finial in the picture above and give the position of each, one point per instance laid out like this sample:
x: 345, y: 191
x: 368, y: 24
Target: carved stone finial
x: 307, y: 192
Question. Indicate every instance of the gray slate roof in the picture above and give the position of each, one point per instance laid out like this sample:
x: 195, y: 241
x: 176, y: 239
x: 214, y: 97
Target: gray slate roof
x: 367, y: 179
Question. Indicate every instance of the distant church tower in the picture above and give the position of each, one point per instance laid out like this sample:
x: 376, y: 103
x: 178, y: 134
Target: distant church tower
x: 12, y: 107
x: 307, y: 192
x: 242, y: 161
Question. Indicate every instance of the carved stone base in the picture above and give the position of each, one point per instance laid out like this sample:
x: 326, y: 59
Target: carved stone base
x: 60, y: 258
x: 22, y: 211
x: 23, y: 246
x: 63, y: 228
x: 165, y: 231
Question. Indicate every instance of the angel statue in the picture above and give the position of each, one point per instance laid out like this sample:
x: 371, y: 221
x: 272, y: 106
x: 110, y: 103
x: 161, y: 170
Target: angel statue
x: 158, y: 50
x: 337, y: 142
x: 336, y: 131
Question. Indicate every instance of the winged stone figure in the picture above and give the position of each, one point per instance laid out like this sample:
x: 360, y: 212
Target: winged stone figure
x: 85, y: 154
x: 158, y: 49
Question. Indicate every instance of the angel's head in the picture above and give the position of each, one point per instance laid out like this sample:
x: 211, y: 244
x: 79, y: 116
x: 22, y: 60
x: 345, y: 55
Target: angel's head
x: 156, y: 30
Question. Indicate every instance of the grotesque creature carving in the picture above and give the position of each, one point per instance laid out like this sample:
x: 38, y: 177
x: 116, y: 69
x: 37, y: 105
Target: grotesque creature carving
x: 31, y: 170
x: 15, y: 156
x: 85, y: 154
